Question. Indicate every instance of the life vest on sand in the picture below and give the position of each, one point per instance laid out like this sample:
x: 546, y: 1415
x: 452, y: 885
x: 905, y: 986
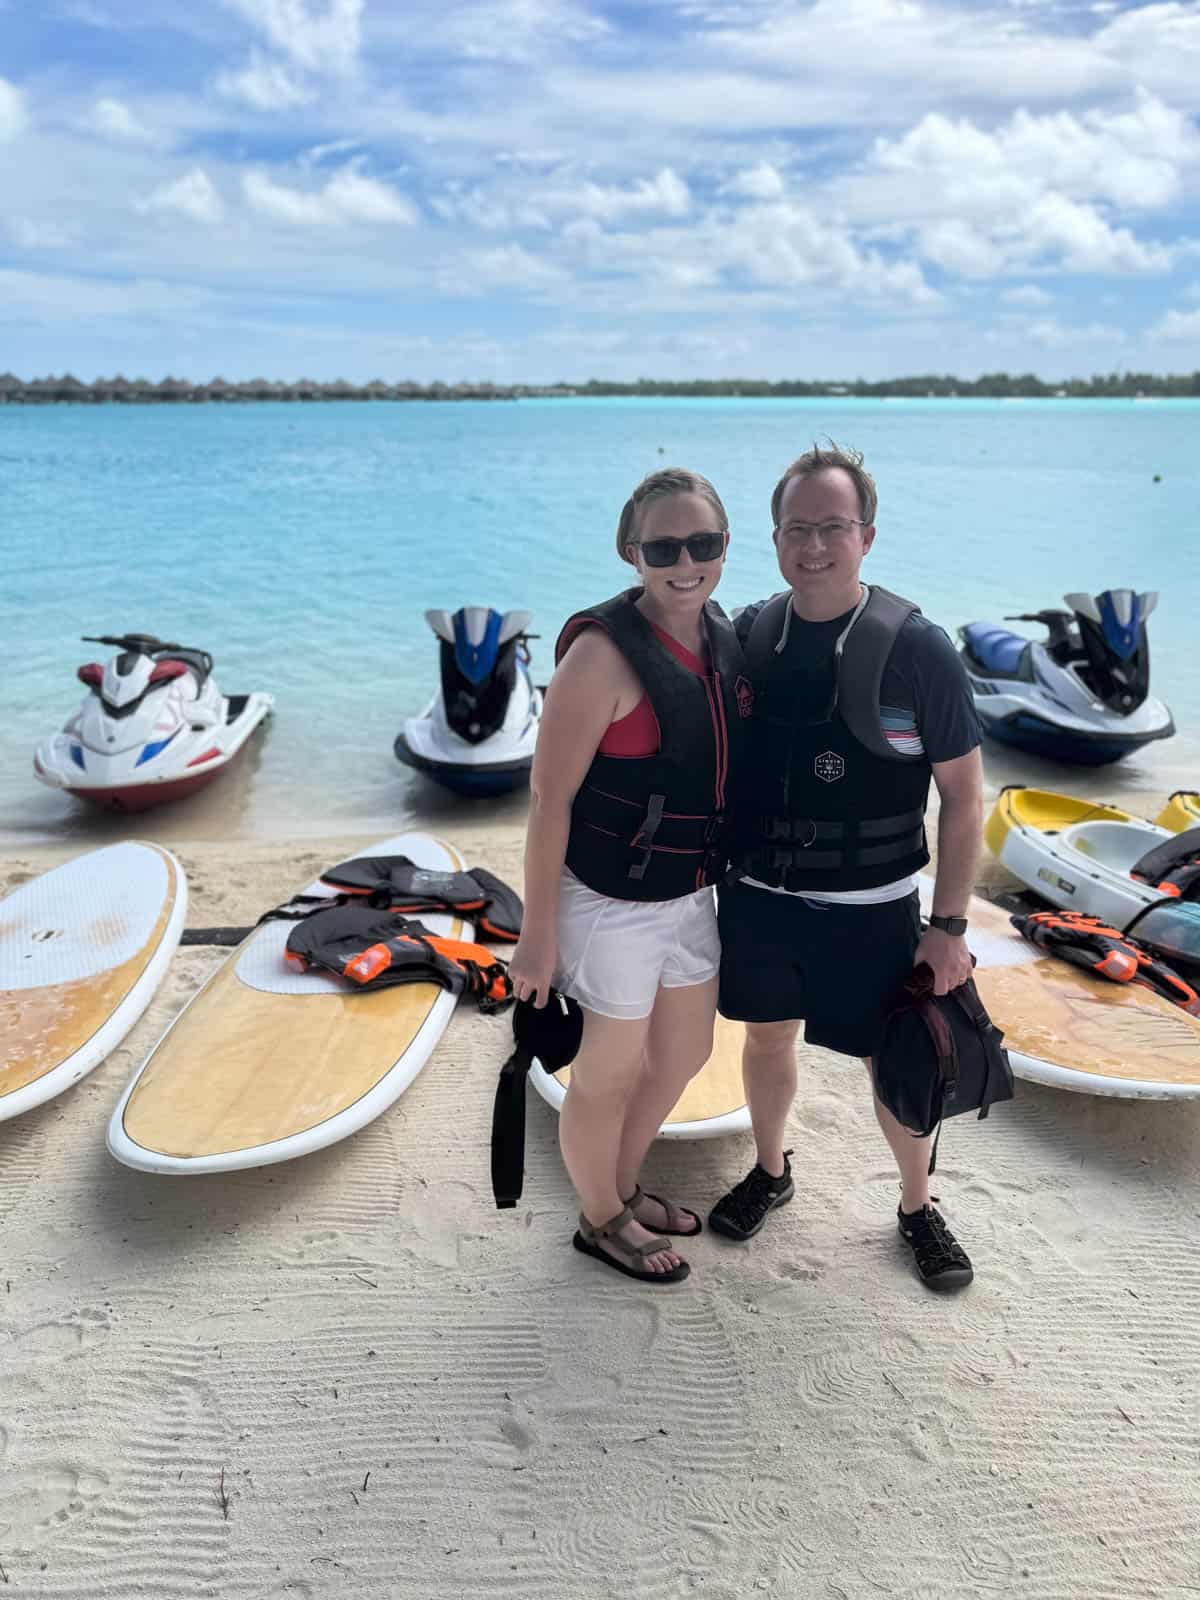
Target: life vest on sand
x: 655, y: 827
x: 829, y: 803
x: 1089, y: 943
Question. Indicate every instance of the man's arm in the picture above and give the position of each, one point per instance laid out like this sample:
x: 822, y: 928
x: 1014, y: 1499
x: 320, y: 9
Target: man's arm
x: 960, y: 826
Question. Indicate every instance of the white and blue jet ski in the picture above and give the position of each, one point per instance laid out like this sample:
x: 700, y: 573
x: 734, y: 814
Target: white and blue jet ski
x: 1082, y: 695
x: 476, y: 736
x: 153, y: 726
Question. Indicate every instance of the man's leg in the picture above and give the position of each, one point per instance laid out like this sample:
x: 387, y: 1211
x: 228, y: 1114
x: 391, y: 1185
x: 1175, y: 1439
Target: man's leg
x: 911, y: 1153
x: 769, y: 1076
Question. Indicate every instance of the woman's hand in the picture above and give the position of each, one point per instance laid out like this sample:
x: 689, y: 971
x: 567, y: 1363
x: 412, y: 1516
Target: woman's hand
x: 532, y: 967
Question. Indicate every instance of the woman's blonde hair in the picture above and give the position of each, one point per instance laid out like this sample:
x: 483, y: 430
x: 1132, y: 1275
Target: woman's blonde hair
x: 660, y: 486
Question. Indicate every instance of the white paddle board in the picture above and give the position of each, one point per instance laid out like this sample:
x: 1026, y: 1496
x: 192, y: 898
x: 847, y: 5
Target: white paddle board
x: 265, y: 1063
x: 82, y: 950
x: 1070, y: 1030
x: 712, y: 1105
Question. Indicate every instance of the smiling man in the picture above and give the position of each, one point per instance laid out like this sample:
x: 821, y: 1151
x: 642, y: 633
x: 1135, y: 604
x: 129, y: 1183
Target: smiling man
x: 859, y: 702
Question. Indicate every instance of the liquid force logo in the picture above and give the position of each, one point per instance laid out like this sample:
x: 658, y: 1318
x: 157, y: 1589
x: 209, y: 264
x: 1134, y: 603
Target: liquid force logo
x: 744, y: 692
x: 829, y: 766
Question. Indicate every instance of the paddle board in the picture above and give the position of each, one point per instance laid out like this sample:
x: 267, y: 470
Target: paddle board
x: 1064, y: 1028
x: 265, y: 1063
x: 713, y: 1104
x: 82, y: 949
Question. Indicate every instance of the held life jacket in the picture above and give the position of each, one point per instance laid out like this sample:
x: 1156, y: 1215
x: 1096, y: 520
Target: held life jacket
x: 655, y: 827
x: 1093, y: 945
x: 374, y: 949
x: 553, y: 1034
x: 830, y: 804
x: 1173, y: 867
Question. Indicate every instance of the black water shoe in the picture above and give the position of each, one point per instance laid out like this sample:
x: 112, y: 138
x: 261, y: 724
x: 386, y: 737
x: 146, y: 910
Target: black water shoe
x: 941, y: 1261
x: 742, y: 1212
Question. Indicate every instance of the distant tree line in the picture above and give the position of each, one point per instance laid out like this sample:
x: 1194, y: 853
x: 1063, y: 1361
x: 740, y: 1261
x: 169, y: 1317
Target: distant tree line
x: 992, y: 385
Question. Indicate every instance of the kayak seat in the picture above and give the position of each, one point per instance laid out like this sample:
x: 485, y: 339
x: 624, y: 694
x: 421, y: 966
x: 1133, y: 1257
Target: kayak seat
x: 998, y: 651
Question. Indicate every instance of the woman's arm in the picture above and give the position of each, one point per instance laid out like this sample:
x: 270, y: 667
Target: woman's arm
x: 592, y: 687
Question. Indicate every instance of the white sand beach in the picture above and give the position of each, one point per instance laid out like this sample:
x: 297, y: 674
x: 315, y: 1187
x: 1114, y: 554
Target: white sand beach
x: 351, y: 1376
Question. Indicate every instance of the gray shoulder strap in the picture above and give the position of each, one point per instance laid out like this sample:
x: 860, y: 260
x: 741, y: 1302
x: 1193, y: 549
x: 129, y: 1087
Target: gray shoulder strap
x: 864, y: 657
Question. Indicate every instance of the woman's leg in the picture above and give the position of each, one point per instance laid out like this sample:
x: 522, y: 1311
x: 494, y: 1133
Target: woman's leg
x: 678, y: 1043
x: 603, y: 1077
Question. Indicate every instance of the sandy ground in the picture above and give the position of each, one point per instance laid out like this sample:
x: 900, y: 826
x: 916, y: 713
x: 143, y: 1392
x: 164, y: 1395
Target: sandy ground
x: 351, y: 1376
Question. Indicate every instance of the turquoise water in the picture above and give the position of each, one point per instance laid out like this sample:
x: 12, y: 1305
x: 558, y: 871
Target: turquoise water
x: 301, y: 544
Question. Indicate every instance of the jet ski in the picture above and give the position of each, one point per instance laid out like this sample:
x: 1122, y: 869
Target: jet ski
x: 1104, y: 862
x: 476, y: 736
x: 153, y: 726
x: 1081, y: 695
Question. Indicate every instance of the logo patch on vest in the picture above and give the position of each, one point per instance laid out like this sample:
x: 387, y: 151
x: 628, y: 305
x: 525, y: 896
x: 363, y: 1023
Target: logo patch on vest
x: 744, y: 692
x: 829, y: 766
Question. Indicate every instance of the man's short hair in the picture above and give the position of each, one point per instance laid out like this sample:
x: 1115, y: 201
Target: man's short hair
x: 820, y: 459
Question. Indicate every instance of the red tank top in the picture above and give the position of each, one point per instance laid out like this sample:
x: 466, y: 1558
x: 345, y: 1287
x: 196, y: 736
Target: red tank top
x: 637, y: 734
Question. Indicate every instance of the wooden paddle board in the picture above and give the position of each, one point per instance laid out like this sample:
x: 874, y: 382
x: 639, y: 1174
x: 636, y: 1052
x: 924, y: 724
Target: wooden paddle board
x: 1065, y: 1028
x: 265, y: 1063
x: 82, y: 949
x: 1182, y: 811
x: 713, y: 1104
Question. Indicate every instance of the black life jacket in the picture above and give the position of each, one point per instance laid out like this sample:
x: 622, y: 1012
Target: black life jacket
x: 829, y: 803
x: 655, y: 827
x: 1090, y: 943
x: 1173, y: 866
x: 374, y: 949
x: 396, y: 884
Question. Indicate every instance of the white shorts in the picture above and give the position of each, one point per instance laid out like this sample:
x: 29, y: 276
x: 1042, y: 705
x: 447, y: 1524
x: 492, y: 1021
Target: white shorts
x: 614, y: 954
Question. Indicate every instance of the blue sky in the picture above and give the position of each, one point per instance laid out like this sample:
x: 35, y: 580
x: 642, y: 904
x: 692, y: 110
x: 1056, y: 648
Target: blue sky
x: 543, y: 189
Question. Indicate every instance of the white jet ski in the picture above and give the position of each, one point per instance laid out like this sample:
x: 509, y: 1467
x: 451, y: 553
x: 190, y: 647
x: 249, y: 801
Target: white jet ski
x: 1104, y: 862
x: 1083, y: 694
x: 476, y: 736
x: 153, y: 726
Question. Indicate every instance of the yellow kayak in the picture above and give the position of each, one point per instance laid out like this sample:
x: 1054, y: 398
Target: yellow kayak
x: 1182, y: 811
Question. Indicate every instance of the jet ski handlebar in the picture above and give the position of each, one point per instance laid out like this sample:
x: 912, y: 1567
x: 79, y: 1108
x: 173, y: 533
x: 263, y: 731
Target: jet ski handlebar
x: 1048, y: 618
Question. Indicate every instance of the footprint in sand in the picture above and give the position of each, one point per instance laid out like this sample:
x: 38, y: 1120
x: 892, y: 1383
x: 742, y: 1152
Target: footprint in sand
x: 41, y: 1497
x: 434, y: 1220
x: 513, y: 1442
x: 56, y: 1340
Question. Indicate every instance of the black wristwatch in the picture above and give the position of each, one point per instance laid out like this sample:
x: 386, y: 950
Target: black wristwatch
x: 955, y: 926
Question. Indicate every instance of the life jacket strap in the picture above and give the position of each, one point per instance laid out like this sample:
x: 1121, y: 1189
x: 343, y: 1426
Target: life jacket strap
x: 643, y: 839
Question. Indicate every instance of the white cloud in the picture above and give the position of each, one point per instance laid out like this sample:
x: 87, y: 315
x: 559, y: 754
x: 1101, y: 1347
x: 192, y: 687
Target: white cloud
x: 31, y: 235
x: 509, y: 267
x: 519, y: 31
x: 264, y: 84
x: 1178, y: 327
x: 113, y: 117
x: 13, y: 117
x: 325, y: 37
x: 762, y: 182
x: 194, y: 195
x: 1026, y: 294
x: 666, y: 192
x: 348, y: 196
x: 1053, y: 335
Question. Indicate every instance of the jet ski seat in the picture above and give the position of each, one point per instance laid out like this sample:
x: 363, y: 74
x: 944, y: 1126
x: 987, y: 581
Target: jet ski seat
x: 198, y: 662
x: 998, y: 651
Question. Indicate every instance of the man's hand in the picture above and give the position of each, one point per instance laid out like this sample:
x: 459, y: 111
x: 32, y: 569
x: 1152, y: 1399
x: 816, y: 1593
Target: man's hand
x: 947, y: 955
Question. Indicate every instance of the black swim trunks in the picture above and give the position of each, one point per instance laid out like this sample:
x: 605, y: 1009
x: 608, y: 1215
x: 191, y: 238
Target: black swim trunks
x: 834, y: 965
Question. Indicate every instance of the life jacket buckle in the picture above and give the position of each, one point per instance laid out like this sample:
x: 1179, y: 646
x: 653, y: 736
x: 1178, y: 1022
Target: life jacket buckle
x: 714, y: 827
x: 643, y: 839
x: 805, y: 844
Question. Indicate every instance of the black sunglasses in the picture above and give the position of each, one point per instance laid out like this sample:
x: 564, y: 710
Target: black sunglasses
x: 665, y: 552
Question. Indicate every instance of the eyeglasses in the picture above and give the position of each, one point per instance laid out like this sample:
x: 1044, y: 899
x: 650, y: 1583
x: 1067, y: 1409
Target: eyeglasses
x: 665, y: 552
x: 835, y: 528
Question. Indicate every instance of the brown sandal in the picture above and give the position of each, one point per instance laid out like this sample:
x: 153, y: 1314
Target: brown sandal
x: 675, y: 1233
x: 635, y: 1255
